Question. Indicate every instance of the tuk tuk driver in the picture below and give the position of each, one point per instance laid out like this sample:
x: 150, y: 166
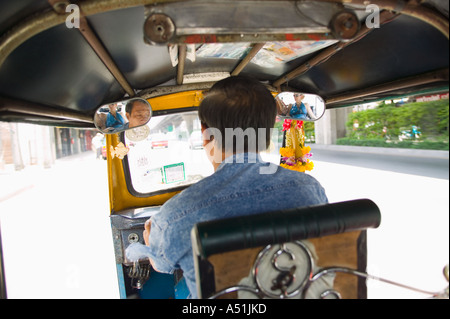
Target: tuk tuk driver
x: 137, y: 113
x: 237, y: 187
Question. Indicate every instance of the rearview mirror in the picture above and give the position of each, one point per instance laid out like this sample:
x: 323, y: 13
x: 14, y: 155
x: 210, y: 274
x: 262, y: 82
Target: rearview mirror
x: 121, y: 116
x: 300, y: 106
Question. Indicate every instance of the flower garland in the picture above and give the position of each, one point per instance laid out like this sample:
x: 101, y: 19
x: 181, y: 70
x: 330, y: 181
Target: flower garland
x: 295, y: 155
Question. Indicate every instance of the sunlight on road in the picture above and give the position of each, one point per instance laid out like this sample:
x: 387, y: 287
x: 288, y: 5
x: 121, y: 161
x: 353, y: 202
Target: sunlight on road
x: 56, y: 233
x: 411, y: 246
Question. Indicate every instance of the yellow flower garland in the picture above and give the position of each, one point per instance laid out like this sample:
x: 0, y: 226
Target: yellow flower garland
x: 295, y: 156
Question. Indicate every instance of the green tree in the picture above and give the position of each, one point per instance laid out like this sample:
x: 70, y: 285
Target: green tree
x: 388, y: 120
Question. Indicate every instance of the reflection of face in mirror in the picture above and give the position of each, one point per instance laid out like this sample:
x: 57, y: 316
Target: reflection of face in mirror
x: 124, y: 115
x: 137, y: 112
x: 299, y: 106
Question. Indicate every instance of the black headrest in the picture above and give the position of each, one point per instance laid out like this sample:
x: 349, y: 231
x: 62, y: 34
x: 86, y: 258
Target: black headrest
x: 242, y: 232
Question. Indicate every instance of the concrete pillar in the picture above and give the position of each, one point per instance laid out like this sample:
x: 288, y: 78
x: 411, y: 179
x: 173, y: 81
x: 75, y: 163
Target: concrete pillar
x: 15, y: 146
x: 332, y: 125
x: 192, y: 122
x: 48, y: 154
x: 76, y: 148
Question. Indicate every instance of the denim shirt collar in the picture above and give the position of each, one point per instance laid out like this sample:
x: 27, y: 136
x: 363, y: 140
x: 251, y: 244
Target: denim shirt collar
x: 241, y: 158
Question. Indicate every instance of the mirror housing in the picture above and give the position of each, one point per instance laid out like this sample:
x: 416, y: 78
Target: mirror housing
x: 299, y: 106
x: 121, y: 116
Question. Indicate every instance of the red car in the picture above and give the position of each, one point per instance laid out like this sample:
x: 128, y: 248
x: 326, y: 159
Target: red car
x: 160, y: 141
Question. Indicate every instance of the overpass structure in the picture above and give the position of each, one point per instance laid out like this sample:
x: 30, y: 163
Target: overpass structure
x: 327, y: 129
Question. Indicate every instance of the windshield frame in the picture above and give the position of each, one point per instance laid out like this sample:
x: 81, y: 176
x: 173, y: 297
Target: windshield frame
x: 175, y: 189
x: 126, y: 165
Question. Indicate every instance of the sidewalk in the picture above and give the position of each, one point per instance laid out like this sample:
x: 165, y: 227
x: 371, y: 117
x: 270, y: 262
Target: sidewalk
x: 384, y: 150
x: 59, y: 219
x: 14, y: 182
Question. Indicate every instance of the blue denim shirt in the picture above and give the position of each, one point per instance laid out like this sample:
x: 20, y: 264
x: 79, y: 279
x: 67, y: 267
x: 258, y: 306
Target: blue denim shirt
x: 298, y: 111
x: 235, y: 189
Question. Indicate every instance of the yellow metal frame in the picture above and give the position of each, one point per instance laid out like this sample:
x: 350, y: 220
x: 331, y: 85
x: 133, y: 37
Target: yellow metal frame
x: 119, y: 196
x: 176, y: 100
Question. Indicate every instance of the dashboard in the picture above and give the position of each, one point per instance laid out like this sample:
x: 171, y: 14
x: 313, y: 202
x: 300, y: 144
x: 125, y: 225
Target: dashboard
x: 127, y: 228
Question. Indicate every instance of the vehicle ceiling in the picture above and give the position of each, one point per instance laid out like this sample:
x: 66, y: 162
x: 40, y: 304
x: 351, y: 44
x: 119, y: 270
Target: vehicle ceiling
x: 50, y: 74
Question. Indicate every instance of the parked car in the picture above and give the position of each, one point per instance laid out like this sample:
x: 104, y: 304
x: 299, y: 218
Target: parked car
x: 104, y: 155
x: 160, y: 141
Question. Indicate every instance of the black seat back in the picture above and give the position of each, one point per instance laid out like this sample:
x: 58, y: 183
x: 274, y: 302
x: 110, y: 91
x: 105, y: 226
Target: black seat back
x: 248, y: 235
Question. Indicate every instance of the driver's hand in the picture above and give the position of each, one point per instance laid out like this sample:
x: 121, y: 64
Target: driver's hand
x: 146, y: 232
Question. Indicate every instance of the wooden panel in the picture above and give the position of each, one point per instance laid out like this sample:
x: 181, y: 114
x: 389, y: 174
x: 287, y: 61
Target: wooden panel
x: 231, y: 267
x: 343, y: 250
x: 340, y: 250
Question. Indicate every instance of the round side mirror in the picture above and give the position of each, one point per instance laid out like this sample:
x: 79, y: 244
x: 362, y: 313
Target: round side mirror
x: 300, y: 106
x: 122, y: 116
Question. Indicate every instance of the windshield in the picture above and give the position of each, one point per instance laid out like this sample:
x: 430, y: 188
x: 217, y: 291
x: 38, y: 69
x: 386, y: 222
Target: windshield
x: 172, y: 154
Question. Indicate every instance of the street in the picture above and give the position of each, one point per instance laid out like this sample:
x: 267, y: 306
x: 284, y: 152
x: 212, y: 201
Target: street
x: 56, y: 234
x: 57, y: 238
x: 416, y: 162
x: 411, y: 246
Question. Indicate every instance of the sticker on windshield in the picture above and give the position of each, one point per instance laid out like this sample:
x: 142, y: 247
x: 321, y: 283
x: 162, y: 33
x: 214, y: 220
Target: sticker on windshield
x: 174, y: 173
x: 154, y: 176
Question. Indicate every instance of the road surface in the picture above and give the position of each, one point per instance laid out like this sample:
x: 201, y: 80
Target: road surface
x: 416, y: 162
x: 411, y: 245
x: 57, y: 237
